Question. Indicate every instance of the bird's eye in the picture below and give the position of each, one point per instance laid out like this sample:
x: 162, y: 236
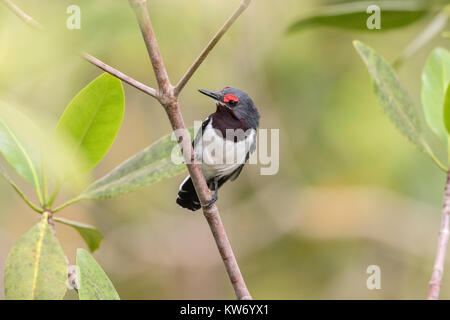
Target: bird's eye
x: 230, y: 98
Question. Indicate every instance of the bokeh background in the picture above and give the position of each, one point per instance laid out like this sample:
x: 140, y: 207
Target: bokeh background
x: 351, y: 191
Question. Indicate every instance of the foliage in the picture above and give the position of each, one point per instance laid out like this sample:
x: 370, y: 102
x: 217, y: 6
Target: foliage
x: 407, y: 117
x: 83, y: 136
x: 90, y: 234
x: 353, y: 15
x: 93, y: 283
x: 145, y: 168
x: 356, y: 15
x: 435, y: 79
x: 36, y: 267
x: 93, y: 118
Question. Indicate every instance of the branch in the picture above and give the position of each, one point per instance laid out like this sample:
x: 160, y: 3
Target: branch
x: 438, y: 270
x: 22, y: 15
x: 168, y: 99
x: 33, y: 23
x: 132, y: 82
x: 434, y: 27
x: 187, y: 76
x: 140, y: 9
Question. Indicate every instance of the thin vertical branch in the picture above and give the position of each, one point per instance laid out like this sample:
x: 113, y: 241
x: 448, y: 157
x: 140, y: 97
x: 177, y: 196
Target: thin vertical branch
x: 140, y: 9
x: 438, y: 270
x: 168, y: 99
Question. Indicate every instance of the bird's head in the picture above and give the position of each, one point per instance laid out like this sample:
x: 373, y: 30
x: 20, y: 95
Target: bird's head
x: 237, y: 101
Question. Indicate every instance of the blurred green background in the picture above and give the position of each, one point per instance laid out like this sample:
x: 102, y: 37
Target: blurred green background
x: 350, y: 192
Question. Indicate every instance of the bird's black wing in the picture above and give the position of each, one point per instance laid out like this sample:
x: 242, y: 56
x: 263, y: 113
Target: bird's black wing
x: 198, y: 137
x: 235, y: 174
x: 187, y: 196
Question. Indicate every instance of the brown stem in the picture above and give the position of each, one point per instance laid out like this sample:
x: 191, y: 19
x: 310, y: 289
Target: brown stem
x: 190, y: 72
x: 138, y: 85
x: 168, y: 99
x: 438, y: 270
x: 50, y: 220
x: 212, y: 213
x: 140, y: 9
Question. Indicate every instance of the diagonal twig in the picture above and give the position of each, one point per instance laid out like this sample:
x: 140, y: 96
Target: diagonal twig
x: 432, y: 29
x: 22, y: 15
x: 212, y: 43
x: 138, y: 85
x: 36, y: 25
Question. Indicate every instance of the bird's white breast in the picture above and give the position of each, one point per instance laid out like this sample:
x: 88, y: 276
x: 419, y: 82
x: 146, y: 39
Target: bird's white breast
x: 219, y: 156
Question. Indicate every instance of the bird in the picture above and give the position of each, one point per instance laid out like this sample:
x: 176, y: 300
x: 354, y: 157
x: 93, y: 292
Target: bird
x: 223, y: 145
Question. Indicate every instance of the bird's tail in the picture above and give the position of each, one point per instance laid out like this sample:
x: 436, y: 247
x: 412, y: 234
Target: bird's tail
x: 187, y: 197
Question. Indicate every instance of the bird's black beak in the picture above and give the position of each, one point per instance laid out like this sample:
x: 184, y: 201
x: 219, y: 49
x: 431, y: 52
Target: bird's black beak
x: 216, y: 96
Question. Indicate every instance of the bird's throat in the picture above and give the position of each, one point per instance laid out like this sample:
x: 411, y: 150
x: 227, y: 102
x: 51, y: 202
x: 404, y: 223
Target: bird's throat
x: 224, y: 118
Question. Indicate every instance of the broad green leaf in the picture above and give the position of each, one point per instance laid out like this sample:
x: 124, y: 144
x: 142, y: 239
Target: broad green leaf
x: 447, y: 110
x: 36, y: 267
x: 15, y: 145
x: 134, y: 181
x: 398, y: 106
x: 353, y: 15
x: 93, y: 118
x: 93, y: 282
x: 90, y: 234
x: 435, y: 79
x: 145, y: 168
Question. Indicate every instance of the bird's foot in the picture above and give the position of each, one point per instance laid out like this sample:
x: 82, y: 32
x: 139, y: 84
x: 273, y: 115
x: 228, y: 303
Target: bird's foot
x: 211, y: 202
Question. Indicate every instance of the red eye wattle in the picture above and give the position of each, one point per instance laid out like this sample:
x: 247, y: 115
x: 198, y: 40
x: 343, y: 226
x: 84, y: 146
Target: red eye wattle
x: 230, y: 97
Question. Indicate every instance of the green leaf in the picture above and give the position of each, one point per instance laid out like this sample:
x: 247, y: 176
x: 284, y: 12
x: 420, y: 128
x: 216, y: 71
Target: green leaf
x: 36, y: 267
x: 136, y: 180
x: 93, y: 118
x: 90, y: 234
x: 17, y: 148
x: 435, y: 79
x: 353, y: 15
x: 93, y: 282
x: 145, y: 168
x: 398, y: 106
x: 447, y: 109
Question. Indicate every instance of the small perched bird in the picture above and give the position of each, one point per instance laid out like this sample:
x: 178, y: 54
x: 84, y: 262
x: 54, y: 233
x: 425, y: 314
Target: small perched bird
x: 223, y: 145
